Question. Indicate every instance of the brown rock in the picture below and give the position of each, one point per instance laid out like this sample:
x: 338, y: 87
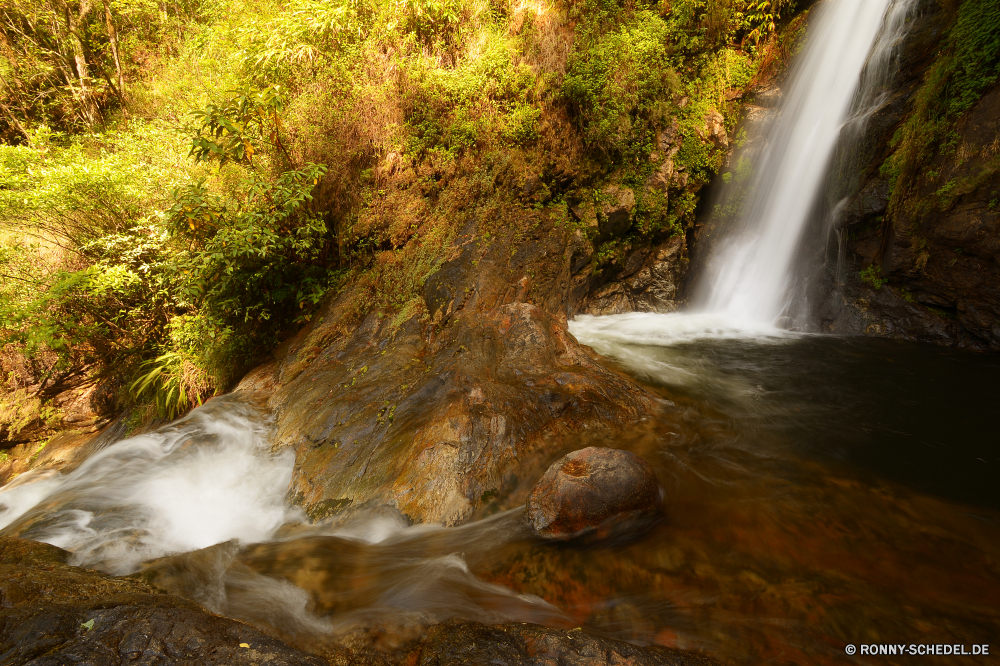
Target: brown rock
x: 616, y: 211
x: 53, y: 613
x: 715, y: 129
x: 662, y: 177
x: 519, y: 644
x: 591, y: 490
x: 666, y: 139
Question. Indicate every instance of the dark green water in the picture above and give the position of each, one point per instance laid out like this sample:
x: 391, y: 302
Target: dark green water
x: 923, y: 416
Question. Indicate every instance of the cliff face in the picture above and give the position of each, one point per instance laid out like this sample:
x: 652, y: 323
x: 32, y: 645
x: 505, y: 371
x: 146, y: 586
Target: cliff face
x: 921, y: 249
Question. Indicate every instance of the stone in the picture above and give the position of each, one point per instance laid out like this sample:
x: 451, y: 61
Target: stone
x: 715, y: 129
x: 769, y: 97
x: 616, y: 211
x: 53, y: 613
x: 523, y: 644
x: 586, y: 213
x: 661, y: 178
x: 592, y: 490
x: 666, y: 139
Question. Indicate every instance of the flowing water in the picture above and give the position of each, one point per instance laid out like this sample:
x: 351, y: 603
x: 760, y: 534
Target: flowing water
x: 840, y: 79
x: 820, y: 491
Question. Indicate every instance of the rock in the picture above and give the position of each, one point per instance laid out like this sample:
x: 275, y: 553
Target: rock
x: 586, y: 213
x: 616, y: 211
x: 650, y: 281
x: 939, y: 253
x: 610, y: 299
x: 715, y: 129
x: 53, y: 613
x: 661, y: 178
x: 581, y: 252
x: 666, y: 139
x: 591, y: 490
x: 769, y: 97
x: 520, y: 644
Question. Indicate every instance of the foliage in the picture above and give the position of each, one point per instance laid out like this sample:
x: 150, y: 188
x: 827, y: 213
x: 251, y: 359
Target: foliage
x: 968, y: 63
x: 21, y: 408
x: 619, y: 86
x: 305, y: 33
x: 70, y: 64
x: 873, y: 276
x: 172, y: 383
x: 124, y: 261
x: 228, y: 131
x: 253, y: 254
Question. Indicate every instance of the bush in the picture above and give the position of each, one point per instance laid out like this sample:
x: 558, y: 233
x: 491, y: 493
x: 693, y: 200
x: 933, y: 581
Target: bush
x: 621, y: 85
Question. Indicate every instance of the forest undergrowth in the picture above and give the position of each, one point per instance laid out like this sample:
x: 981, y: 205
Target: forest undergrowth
x: 182, y: 184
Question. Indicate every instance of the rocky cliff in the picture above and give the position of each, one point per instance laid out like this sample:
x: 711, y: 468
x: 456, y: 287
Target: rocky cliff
x: 921, y: 225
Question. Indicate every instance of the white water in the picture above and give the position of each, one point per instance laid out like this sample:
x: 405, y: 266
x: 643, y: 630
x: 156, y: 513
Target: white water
x: 850, y: 45
x: 206, y: 479
x: 840, y: 80
x: 199, y: 491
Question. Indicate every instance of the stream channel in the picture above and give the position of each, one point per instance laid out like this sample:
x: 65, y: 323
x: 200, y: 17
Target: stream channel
x: 820, y: 491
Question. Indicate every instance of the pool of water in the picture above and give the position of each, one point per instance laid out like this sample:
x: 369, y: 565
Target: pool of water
x: 820, y: 492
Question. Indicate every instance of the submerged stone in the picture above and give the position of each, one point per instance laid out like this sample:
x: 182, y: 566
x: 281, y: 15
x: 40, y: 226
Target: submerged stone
x: 593, y: 489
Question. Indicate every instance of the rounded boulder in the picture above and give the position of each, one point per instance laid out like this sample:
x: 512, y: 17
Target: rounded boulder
x: 593, y: 489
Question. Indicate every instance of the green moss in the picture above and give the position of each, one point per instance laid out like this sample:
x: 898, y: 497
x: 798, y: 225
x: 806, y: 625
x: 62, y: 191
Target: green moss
x: 873, y: 277
x: 967, y: 64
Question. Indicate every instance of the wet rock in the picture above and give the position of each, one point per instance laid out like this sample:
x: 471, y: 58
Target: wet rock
x: 939, y: 254
x: 429, y: 427
x: 53, y: 614
x: 591, y: 490
x: 612, y: 298
x: 519, y: 644
x: 769, y: 97
x: 616, y: 211
x: 654, y: 287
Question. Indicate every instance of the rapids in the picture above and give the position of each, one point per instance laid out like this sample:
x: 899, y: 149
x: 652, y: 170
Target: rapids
x: 820, y: 491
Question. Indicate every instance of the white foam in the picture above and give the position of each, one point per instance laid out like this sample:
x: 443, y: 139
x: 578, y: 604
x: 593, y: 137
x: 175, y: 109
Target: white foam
x: 649, y: 328
x: 206, y: 479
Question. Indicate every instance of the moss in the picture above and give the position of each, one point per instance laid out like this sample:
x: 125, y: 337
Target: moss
x: 967, y: 64
x: 873, y: 277
x: 327, y: 508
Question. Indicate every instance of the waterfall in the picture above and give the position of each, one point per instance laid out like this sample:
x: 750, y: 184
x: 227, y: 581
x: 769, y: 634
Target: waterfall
x: 838, y: 83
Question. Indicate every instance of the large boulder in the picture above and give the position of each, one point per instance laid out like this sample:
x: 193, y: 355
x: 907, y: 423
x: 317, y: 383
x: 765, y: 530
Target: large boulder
x: 592, y: 490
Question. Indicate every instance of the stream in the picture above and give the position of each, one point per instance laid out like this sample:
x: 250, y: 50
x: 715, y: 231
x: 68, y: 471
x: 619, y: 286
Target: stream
x: 820, y: 491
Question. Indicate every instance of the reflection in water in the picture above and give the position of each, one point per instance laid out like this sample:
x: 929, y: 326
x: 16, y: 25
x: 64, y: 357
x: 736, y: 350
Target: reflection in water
x: 780, y: 541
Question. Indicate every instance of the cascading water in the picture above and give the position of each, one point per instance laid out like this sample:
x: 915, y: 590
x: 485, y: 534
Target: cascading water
x: 838, y: 83
x: 182, y: 506
x: 748, y: 287
x: 206, y: 479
